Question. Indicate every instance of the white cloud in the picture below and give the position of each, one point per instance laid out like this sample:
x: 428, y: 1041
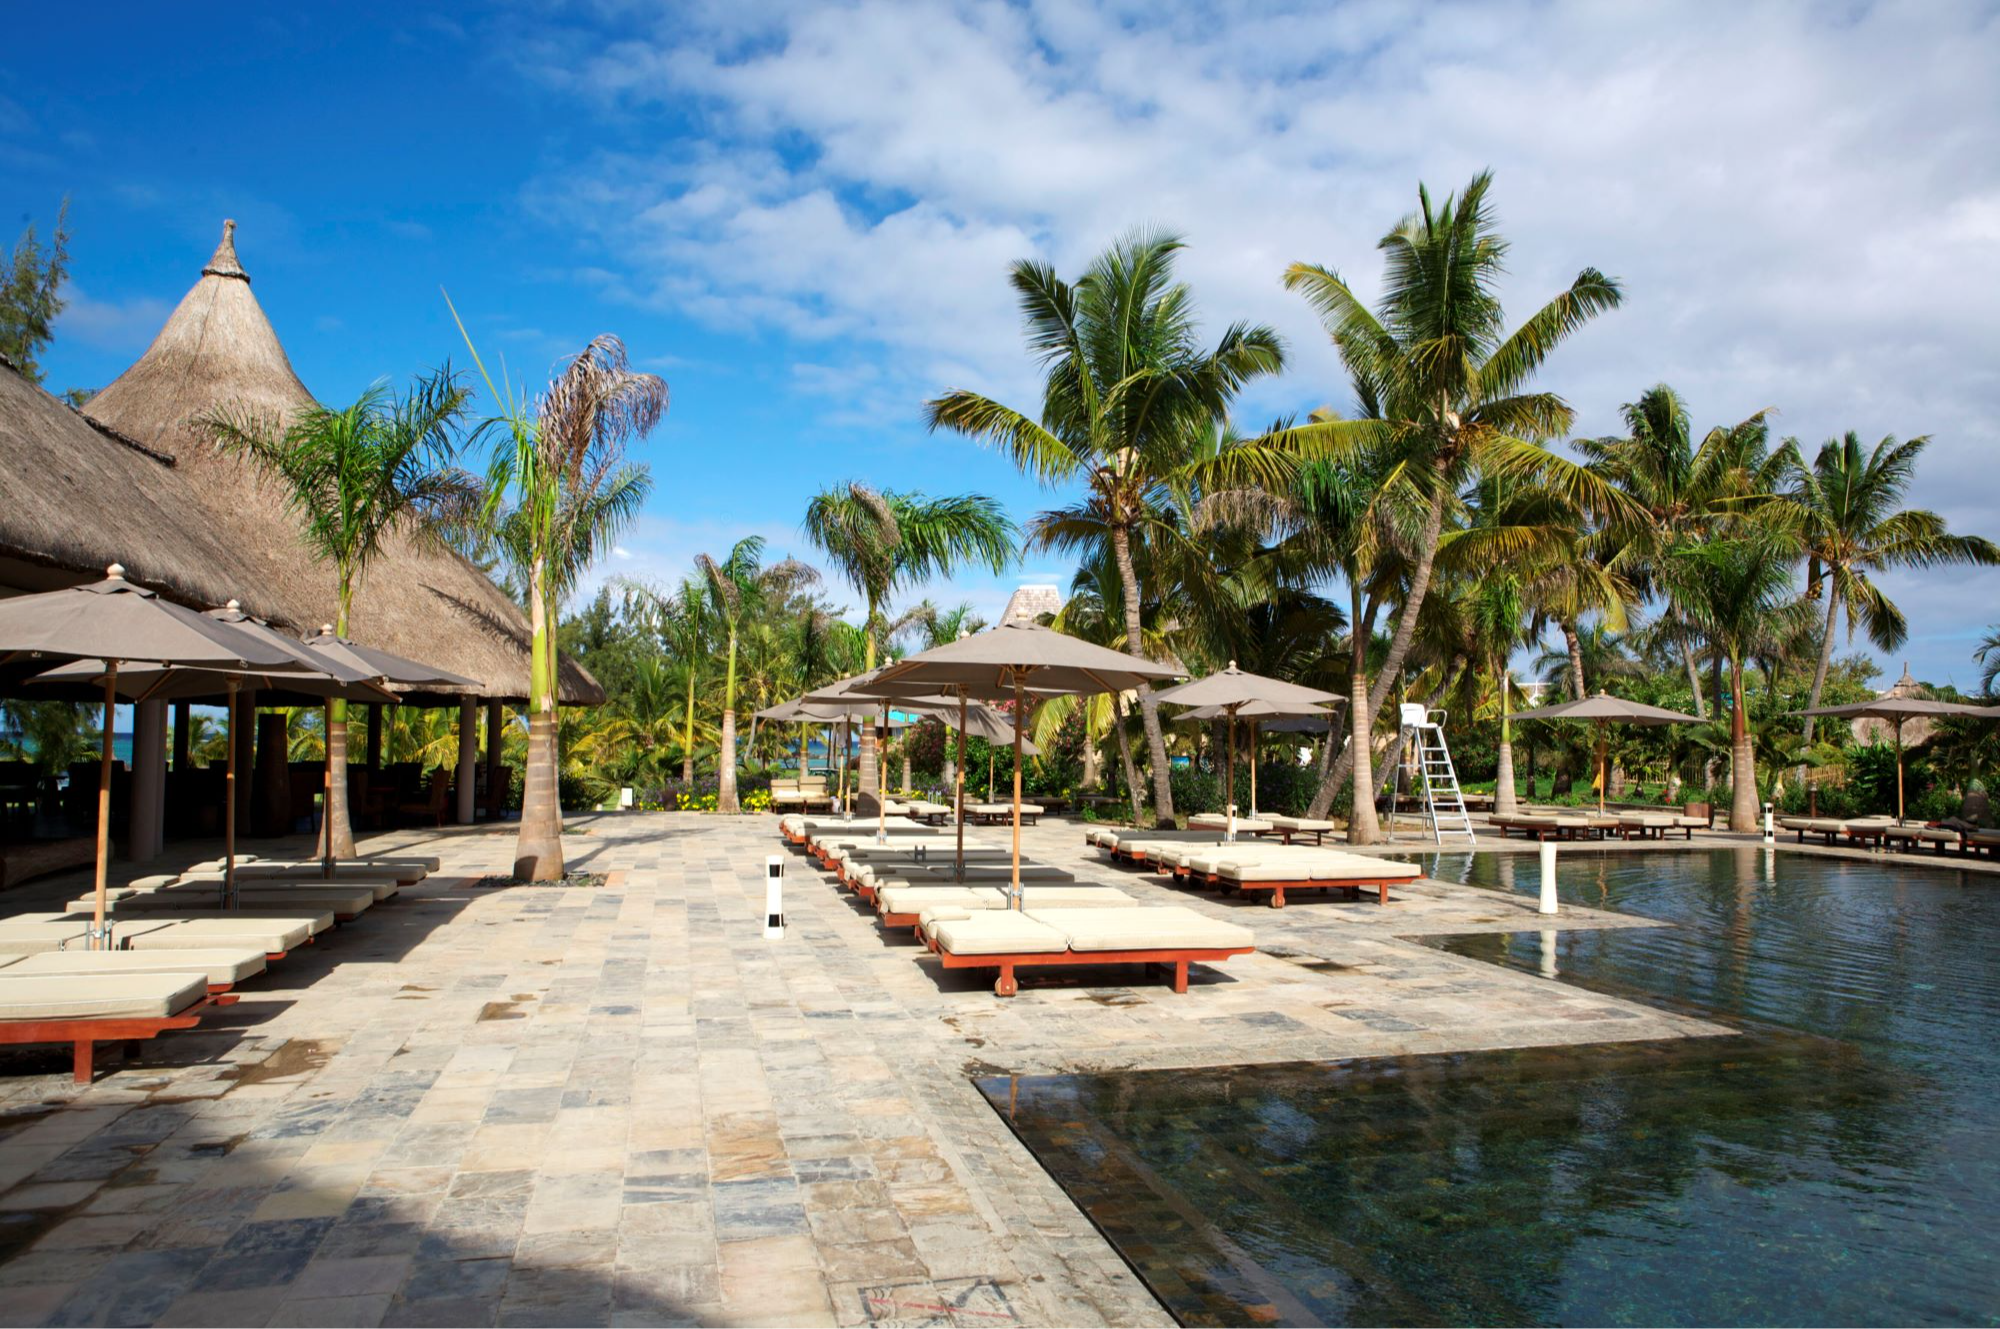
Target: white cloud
x: 124, y: 326
x: 1802, y: 200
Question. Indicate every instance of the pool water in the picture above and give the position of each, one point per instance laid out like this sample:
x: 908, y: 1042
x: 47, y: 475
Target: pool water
x: 1839, y: 1163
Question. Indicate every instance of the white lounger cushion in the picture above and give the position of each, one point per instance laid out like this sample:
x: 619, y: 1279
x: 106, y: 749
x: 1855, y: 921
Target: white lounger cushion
x: 331, y: 899
x: 229, y: 964
x: 1649, y: 819
x: 1346, y: 868
x: 315, y: 920
x: 1078, y: 896
x: 271, y: 935
x: 901, y: 899
x: 1215, y: 821
x: 925, y: 900
x: 382, y: 888
x: 344, y: 871
x: 1003, y: 809
x: 99, y: 996
x: 999, y: 932
x: 1157, y: 929
x: 34, y: 938
x: 1299, y: 823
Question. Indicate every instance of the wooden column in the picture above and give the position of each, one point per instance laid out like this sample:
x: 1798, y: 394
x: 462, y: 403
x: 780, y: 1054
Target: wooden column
x: 246, y: 754
x: 496, y: 770
x: 375, y: 736
x: 468, y: 761
x: 183, y: 737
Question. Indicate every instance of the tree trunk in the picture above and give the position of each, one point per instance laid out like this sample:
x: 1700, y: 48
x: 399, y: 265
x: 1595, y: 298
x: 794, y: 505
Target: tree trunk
x: 725, y: 796
x: 1125, y: 757
x: 538, y: 853
x: 1825, y: 658
x: 1392, y: 666
x: 1505, y: 803
x: 1093, y: 760
x: 1362, y: 828
x: 867, y: 788
x: 1149, y: 709
x: 1575, y: 645
x: 1694, y: 681
x: 687, y: 737
x: 338, y: 830
x: 1742, y: 760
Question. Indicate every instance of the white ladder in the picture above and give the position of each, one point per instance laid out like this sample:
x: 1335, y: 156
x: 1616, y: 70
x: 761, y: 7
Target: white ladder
x: 1444, y: 802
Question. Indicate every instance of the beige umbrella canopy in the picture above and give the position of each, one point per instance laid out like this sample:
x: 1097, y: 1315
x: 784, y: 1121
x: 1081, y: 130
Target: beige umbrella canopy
x: 1230, y: 691
x: 113, y: 622
x: 1006, y: 662
x: 1606, y: 709
x: 1896, y: 710
x: 159, y: 682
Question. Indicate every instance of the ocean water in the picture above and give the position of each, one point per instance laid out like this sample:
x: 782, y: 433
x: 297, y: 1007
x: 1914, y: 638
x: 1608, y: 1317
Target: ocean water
x: 1839, y: 1163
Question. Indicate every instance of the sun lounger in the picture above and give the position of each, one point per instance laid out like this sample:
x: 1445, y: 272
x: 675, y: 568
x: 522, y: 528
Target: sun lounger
x: 344, y: 904
x: 382, y: 887
x: 275, y: 937
x: 867, y: 882
x: 1914, y: 838
x: 1135, y: 844
x: 901, y: 906
x: 1216, y: 821
x: 221, y: 967
x: 315, y: 918
x: 84, y: 1011
x: 935, y: 814
x: 400, y: 863
x: 1290, y: 829
x: 995, y: 814
x: 1007, y: 940
x: 1319, y: 871
x: 35, y: 934
x: 1647, y: 825
x: 1869, y: 832
x: 1982, y: 842
x: 404, y: 872
x: 1529, y: 826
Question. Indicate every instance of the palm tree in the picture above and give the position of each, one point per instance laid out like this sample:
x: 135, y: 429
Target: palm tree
x: 1129, y: 398
x: 884, y: 542
x: 563, y: 463
x: 1443, y: 392
x: 737, y: 586
x: 1848, y: 514
x: 1679, y: 492
x: 353, y: 478
x: 1738, y: 591
x: 1987, y: 654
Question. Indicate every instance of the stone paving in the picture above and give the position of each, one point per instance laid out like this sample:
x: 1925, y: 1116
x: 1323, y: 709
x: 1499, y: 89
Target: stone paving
x: 622, y: 1105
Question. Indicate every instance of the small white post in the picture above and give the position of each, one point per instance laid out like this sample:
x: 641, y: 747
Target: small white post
x: 625, y: 796
x: 1548, y: 955
x: 1548, y: 876
x: 774, y: 898
x: 1770, y: 829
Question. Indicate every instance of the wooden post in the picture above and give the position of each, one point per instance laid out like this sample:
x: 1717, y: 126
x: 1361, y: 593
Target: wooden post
x: 98, y: 941
x: 496, y: 770
x: 229, y: 807
x: 374, y: 739
x: 958, y: 783
x: 183, y: 738
x: 468, y: 761
x: 1017, y: 792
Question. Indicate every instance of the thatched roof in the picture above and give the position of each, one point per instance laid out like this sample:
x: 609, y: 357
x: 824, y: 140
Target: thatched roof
x: 146, y: 488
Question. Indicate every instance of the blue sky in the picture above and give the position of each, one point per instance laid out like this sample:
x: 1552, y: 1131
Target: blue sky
x: 802, y: 216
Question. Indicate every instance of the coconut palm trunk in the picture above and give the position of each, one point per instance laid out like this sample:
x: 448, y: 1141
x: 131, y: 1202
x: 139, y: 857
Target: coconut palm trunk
x: 725, y: 797
x: 1742, y: 757
x: 538, y: 853
x: 1149, y: 709
x: 1362, y: 827
x: 1505, y: 802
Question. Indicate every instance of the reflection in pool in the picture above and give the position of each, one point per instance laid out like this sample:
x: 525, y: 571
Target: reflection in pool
x: 1836, y: 1165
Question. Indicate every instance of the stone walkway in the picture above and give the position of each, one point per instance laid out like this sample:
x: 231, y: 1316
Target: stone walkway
x: 623, y: 1105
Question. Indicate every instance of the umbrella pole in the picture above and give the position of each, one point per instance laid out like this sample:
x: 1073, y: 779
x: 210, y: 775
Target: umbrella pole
x: 1017, y: 789
x: 1229, y: 785
x: 882, y: 778
x: 229, y: 809
x: 326, y: 801
x: 1253, y: 770
x: 958, y: 778
x: 1899, y: 770
x: 1603, y: 775
x: 98, y: 939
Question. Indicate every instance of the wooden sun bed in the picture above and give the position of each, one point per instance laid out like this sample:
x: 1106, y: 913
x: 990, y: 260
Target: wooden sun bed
x: 1291, y: 829
x: 867, y: 884
x: 343, y: 905
x: 221, y: 967
x: 404, y: 872
x: 108, y: 1009
x: 1311, y: 871
x: 1007, y: 940
x: 902, y: 906
x: 997, y: 814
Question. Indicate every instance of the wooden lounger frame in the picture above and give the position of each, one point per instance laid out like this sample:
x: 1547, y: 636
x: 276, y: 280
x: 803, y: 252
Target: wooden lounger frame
x: 1000, y: 818
x: 1278, y: 888
x: 1287, y: 835
x: 83, y: 1035
x: 1006, y: 985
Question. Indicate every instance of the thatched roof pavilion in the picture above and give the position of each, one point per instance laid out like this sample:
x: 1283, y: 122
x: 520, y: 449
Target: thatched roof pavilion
x: 132, y: 479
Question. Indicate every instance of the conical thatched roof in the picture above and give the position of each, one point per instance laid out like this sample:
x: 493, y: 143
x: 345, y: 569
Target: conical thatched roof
x: 218, y: 351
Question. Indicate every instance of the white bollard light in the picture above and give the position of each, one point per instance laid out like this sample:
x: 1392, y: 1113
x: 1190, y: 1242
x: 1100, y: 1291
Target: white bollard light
x: 1548, y: 876
x: 1548, y: 955
x: 1770, y: 829
x: 774, y: 897
x: 625, y: 797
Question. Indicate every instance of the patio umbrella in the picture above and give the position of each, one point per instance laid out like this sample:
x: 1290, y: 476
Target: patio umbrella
x: 1256, y: 713
x: 1606, y: 709
x: 1898, y: 709
x: 118, y: 623
x: 189, y: 683
x: 334, y: 650
x: 1005, y: 662
x: 1230, y: 690
x: 805, y: 716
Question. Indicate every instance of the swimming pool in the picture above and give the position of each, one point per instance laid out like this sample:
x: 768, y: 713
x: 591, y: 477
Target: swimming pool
x: 1839, y: 1163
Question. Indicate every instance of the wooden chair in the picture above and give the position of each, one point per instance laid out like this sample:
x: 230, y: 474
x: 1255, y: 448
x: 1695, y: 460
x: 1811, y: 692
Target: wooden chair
x: 431, y: 807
